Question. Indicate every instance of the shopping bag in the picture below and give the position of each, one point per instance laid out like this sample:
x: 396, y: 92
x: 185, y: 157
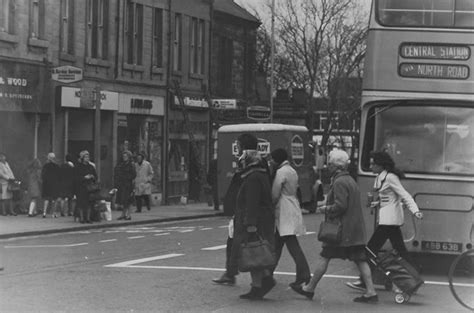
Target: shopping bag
x: 14, y: 185
x: 255, y: 255
x: 330, y: 231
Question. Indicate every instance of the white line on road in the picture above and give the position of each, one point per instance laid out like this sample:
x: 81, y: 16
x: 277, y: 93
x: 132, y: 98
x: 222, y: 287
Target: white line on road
x: 50, y: 246
x: 207, y: 228
x: 225, y: 226
x: 186, y: 230
x: 136, y: 237
x: 108, y: 240
x: 215, y: 248
x: 161, y: 234
x: 153, y: 258
x: 310, y: 232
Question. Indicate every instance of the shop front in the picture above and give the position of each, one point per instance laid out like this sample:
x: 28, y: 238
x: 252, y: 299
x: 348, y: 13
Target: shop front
x: 78, y: 121
x: 140, y: 130
x: 25, y: 116
x: 186, y: 168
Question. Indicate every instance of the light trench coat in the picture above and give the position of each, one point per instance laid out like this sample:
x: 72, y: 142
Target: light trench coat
x: 289, y: 220
x: 143, y: 178
x: 5, y: 174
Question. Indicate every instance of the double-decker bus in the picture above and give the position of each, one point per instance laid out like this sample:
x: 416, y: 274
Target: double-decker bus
x: 418, y: 105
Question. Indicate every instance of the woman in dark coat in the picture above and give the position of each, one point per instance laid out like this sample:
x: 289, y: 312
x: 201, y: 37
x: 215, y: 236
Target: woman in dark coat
x: 66, y: 186
x: 254, y: 211
x: 124, y: 175
x: 84, y: 173
x: 50, y: 179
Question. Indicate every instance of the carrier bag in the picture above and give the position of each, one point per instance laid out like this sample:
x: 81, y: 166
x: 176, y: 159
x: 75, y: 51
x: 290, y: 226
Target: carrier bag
x: 399, y: 271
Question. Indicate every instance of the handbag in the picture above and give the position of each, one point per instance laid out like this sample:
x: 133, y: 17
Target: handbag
x: 330, y: 231
x: 255, y: 255
x: 14, y: 185
x: 93, y: 186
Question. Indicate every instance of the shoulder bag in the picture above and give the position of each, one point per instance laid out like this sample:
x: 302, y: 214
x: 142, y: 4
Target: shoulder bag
x: 330, y: 231
x: 255, y: 255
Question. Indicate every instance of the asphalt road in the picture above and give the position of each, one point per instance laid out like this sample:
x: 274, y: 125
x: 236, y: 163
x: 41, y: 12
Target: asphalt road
x: 168, y: 267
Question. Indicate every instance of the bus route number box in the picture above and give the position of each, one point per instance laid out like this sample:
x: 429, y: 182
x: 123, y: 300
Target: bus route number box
x: 294, y: 139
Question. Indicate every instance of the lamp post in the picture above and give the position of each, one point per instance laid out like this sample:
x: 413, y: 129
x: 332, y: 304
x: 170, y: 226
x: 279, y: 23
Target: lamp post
x: 272, y: 60
x: 96, y: 98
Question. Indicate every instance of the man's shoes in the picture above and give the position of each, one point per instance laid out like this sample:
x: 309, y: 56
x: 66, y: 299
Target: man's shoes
x: 299, y: 289
x: 267, y: 284
x: 128, y: 218
x: 364, y: 299
x: 138, y: 211
x: 254, y: 294
x: 299, y: 282
x: 357, y: 285
x: 225, y: 280
x: 121, y: 218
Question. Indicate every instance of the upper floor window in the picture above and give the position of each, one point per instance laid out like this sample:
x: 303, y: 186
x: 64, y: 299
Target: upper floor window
x: 158, y: 38
x: 177, y: 42
x: 97, y: 28
x: 37, y: 19
x: 225, y: 57
x: 7, y: 16
x: 134, y: 33
x: 67, y: 26
x: 197, y: 46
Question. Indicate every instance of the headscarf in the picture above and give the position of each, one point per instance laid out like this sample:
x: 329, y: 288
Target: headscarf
x: 51, y: 157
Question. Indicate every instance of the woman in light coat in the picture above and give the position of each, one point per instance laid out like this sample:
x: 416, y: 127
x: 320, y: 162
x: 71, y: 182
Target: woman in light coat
x: 288, y: 217
x: 6, y: 196
x: 34, y: 185
x: 391, y: 198
x: 143, y: 179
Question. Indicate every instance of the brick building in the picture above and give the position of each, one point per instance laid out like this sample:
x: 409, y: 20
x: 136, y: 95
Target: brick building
x: 118, y: 51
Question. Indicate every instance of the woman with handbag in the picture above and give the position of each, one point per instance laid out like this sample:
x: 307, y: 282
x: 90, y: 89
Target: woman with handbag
x: 84, y: 175
x: 254, y: 216
x: 391, y: 198
x: 124, y: 175
x: 6, y: 175
x: 289, y: 220
x: 343, y: 209
x: 34, y: 185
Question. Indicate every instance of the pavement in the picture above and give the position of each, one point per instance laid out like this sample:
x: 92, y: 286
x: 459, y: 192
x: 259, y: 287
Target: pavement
x: 22, y: 225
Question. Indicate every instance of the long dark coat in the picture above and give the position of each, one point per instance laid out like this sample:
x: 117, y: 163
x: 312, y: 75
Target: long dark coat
x: 66, y: 179
x: 254, y: 208
x: 124, y: 174
x: 50, y: 179
x: 343, y: 201
x: 80, y: 183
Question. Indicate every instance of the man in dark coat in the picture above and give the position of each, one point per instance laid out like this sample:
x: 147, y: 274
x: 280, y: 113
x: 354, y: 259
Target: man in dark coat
x: 50, y: 178
x: 254, y: 215
x: 124, y: 175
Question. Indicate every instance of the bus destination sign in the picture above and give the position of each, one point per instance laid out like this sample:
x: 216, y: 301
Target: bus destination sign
x: 434, y: 71
x: 435, y: 51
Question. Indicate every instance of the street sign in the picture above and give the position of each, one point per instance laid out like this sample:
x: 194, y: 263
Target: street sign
x: 224, y: 103
x: 66, y: 74
x: 258, y: 113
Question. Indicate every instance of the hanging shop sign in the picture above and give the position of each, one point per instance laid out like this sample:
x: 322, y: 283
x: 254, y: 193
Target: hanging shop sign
x: 192, y: 102
x: 21, y: 87
x: 258, y: 113
x: 86, y: 98
x: 224, y: 104
x: 66, y: 74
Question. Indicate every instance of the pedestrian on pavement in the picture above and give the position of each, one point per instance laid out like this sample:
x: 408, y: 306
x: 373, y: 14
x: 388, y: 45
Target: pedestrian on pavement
x: 66, y: 186
x: 254, y: 214
x: 50, y: 184
x: 124, y: 175
x: 145, y: 173
x: 212, y: 181
x: 84, y: 174
x: 389, y: 201
x: 6, y: 175
x: 288, y: 217
x: 343, y: 202
x: 34, y: 185
x: 230, y: 199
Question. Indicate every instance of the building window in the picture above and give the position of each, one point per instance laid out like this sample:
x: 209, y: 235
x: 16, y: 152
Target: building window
x: 197, y: 46
x: 158, y: 38
x: 67, y: 26
x: 97, y: 28
x: 37, y: 19
x: 225, y: 60
x: 177, y: 42
x: 7, y: 16
x: 134, y: 33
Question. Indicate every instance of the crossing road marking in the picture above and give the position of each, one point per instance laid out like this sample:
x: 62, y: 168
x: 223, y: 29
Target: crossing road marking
x: 108, y: 240
x: 186, y: 230
x: 50, y: 246
x: 161, y: 234
x: 215, y: 248
x: 136, y: 237
x: 207, y: 228
x: 225, y: 226
x: 144, y: 260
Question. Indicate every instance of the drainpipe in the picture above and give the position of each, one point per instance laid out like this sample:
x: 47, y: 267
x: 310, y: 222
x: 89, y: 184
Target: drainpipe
x: 211, y: 109
x: 165, y: 162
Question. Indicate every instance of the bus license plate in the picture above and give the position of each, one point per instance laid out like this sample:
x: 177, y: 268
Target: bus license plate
x: 441, y: 246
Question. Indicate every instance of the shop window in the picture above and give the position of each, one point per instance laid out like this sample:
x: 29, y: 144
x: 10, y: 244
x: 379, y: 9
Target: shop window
x: 7, y: 16
x: 67, y: 26
x: 97, y: 28
x: 158, y: 38
x: 197, y: 46
x: 177, y: 42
